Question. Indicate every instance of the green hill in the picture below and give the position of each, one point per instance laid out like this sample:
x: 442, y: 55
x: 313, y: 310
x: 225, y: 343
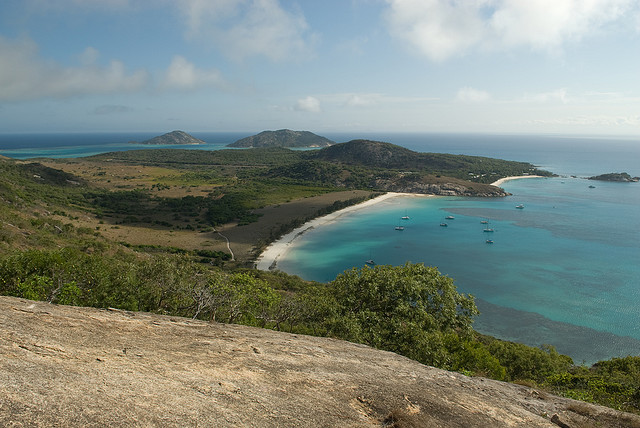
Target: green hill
x: 283, y: 138
x: 174, y: 137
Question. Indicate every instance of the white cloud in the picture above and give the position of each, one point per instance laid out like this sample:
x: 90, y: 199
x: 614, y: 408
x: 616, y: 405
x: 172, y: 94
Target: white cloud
x: 471, y: 95
x: 247, y: 28
x: 23, y: 75
x: 545, y: 24
x: 309, y: 104
x: 559, y: 95
x: 438, y: 29
x: 441, y: 29
x: 89, y: 57
x: 182, y: 74
x: 360, y: 100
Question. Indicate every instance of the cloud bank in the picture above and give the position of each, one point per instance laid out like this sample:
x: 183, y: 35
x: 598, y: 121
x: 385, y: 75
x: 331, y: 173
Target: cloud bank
x: 183, y: 74
x: 247, y: 28
x: 23, y: 75
x: 442, y: 29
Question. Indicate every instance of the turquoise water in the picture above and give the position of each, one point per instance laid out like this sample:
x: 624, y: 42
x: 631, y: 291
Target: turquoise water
x: 564, y: 271
x: 71, y: 145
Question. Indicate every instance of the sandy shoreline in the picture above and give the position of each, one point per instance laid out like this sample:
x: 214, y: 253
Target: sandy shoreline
x: 269, y: 258
x: 505, y: 179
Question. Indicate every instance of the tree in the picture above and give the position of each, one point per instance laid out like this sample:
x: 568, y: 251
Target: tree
x: 405, y: 309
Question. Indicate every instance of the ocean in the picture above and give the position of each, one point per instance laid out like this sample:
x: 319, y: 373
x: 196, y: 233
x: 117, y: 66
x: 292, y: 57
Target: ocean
x: 564, y: 271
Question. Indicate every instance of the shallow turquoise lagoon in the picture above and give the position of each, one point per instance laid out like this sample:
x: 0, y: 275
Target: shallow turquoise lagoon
x: 564, y: 270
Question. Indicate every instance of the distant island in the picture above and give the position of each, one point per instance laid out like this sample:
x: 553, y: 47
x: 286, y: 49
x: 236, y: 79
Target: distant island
x: 174, y: 137
x: 283, y: 138
x: 622, y: 177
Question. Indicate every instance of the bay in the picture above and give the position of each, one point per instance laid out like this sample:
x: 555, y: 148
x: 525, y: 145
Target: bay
x: 565, y: 270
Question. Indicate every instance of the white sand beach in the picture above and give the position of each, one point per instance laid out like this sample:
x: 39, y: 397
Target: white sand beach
x: 505, y: 179
x: 269, y: 258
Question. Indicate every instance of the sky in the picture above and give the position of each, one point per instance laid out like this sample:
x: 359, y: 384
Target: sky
x: 489, y: 66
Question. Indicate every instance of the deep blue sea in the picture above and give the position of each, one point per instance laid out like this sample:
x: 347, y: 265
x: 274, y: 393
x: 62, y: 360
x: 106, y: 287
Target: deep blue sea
x: 565, y: 270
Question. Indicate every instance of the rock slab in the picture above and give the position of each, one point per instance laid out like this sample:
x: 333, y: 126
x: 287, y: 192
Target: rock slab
x: 70, y: 366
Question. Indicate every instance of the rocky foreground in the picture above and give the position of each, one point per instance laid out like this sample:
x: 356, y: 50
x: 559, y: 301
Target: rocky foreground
x: 68, y: 366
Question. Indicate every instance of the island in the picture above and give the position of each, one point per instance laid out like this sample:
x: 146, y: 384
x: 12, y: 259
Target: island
x: 621, y: 177
x: 164, y: 240
x: 283, y: 138
x: 174, y: 137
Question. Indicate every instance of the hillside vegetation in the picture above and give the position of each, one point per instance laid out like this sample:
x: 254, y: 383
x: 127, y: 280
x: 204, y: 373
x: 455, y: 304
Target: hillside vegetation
x: 283, y: 138
x: 56, y: 245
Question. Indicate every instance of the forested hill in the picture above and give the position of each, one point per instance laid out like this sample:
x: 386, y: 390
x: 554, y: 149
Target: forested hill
x: 376, y: 154
x: 357, y: 157
x: 368, y: 153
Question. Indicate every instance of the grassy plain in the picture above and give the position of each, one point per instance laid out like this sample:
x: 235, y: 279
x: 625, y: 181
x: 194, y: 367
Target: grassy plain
x: 287, y: 205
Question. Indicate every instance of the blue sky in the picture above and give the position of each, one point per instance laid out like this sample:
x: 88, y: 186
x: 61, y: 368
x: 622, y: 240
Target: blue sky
x: 495, y: 66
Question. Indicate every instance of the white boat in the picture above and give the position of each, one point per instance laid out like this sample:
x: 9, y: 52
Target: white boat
x: 399, y: 227
x: 520, y: 207
x: 370, y: 262
x: 488, y: 230
x: 444, y: 224
x: 405, y: 217
x: 489, y: 241
x: 484, y: 221
x: 449, y: 217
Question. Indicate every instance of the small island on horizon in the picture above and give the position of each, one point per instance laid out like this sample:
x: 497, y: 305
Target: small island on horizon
x: 173, y: 137
x: 621, y: 177
x: 283, y: 138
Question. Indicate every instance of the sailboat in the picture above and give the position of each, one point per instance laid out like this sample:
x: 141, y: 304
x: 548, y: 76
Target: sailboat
x: 370, y: 261
x: 405, y: 216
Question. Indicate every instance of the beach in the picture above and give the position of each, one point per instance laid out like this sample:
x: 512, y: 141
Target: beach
x: 505, y: 179
x: 269, y: 258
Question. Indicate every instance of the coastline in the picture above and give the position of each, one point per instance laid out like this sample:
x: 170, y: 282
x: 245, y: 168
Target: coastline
x: 501, y: 181
x: 268, y: 259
